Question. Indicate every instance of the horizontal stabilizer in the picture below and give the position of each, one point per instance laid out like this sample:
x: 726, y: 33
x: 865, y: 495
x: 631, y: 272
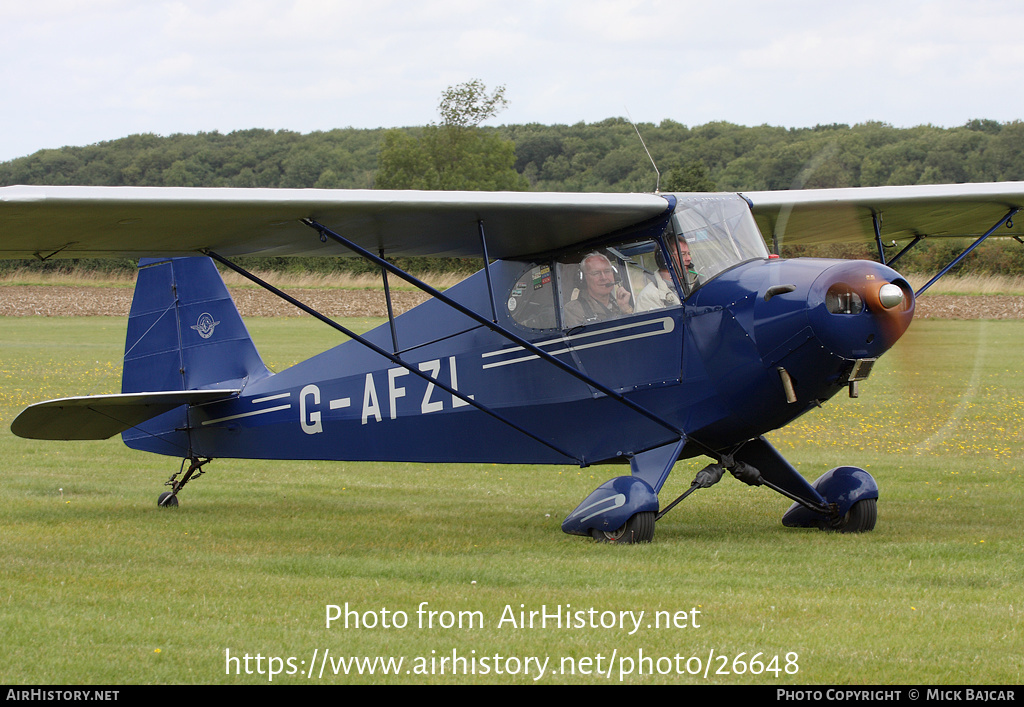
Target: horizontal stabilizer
x: 103, y: 416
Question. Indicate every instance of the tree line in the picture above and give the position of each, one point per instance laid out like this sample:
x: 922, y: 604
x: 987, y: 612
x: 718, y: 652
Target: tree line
x: 459, y: 152
x: 589, y: 157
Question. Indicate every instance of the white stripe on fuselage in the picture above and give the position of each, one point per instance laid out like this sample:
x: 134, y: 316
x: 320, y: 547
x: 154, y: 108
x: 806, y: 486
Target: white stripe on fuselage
x: 246, y: 414
x: 667, y: 325
x: 254, y: 401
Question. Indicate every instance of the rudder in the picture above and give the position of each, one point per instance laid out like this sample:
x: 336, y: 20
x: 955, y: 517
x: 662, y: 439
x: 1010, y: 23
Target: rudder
x: 184, y: 333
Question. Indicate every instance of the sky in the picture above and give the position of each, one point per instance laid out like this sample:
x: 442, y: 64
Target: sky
x: 77, y: 72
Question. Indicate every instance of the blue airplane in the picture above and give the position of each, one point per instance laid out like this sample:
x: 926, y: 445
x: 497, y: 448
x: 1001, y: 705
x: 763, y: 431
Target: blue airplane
x: 630, y: 329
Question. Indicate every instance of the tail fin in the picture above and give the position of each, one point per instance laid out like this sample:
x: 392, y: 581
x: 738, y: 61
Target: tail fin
x: 184, y: 333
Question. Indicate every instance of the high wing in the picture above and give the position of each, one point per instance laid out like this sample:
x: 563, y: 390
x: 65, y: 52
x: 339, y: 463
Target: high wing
x: 70, y: 222
x: 811, y: 216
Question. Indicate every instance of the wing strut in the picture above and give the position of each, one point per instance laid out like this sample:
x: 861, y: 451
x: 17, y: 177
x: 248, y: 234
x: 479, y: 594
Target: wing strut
x: 487, y: 270
x: 908, y: 246
x: 326, y: 233
x: 876, y: 223
x: 390, y: 356
x: 391, y: 313
x: 956, y: 261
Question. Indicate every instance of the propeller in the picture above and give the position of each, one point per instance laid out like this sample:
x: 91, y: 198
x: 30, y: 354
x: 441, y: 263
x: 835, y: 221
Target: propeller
x: 862, y: 284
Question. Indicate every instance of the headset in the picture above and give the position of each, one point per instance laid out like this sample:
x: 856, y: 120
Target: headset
x: 580, y: 279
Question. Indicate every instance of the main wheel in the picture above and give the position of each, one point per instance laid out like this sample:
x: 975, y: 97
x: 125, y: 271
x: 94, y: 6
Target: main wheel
x: 860, y: 518
x: 172, y: 502
x: 638, y: 529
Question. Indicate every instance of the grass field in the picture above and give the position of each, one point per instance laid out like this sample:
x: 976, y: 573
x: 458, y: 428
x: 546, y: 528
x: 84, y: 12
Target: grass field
x: 98, y: 585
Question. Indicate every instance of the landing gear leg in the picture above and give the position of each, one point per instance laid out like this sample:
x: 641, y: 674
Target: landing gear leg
x: 623, y: 509
x: 169, y: 499
x: 843, y: 499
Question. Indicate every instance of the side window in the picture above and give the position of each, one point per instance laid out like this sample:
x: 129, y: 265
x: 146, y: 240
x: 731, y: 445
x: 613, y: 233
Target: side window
x: 683, y: 263
x: 531, y: 301
x: 614, y: 281
x: 660, y: 289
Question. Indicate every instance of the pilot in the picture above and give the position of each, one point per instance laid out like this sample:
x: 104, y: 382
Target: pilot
x: 599, y: 297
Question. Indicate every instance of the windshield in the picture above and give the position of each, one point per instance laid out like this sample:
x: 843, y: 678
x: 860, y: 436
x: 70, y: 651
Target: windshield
x: 719, y: 231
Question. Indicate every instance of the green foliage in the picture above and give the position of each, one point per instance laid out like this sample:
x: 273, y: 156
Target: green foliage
x: 468, y: 105
x: 106, y: 266
x: 458, y: 154
x: 448, y: 158
x: 603, y: 156
x: 1002, y: 257
x: 691, y: 177
x: 328, y: 266
x: 245, y: 158
x: 317, y: 265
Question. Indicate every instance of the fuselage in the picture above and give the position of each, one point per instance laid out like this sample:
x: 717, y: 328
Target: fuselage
x: 750, y: 343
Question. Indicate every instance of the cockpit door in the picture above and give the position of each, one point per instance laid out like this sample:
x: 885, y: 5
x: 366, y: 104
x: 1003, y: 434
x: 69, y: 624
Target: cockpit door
x: 620, y: 313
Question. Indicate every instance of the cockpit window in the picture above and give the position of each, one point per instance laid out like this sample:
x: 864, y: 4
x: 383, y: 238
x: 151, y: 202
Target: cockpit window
x: 719, y: 231
x: 627, y: 277
x: 614, y: 281
x: 708, y: 234
x: 531, y: 302
x: 593, y: 288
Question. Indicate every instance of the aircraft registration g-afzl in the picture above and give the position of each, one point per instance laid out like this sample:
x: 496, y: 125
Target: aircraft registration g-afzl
x: 636, y: 329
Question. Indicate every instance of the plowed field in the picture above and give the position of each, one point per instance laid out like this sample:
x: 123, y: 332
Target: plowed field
x: 65, y: 301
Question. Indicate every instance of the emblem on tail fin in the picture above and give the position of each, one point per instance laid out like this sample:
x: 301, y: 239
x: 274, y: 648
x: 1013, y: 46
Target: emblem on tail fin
x: 205, y: 325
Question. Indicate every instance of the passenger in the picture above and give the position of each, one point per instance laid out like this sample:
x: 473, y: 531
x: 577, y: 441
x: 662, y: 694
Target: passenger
x: 661, y: 291
x: 599, y: 297
x: 689, y: 273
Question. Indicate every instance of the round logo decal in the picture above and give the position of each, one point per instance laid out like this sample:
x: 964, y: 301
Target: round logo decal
x: 205, y: 325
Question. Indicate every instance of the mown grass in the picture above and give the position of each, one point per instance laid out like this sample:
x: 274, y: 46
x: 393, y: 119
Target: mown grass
x: 98, y: 585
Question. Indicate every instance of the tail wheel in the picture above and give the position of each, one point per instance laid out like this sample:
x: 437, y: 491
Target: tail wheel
x: 167, y: 500
x: 860, y: 518
x: 638, y: 529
